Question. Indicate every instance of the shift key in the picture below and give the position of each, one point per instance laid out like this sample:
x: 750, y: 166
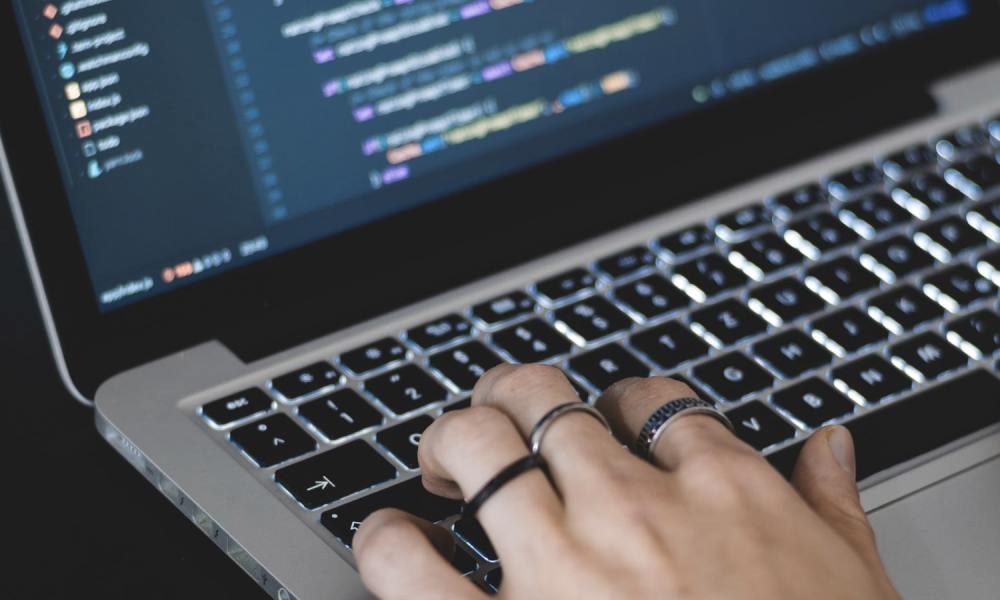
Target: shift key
x: 409, y: 496
x: 916, y: 425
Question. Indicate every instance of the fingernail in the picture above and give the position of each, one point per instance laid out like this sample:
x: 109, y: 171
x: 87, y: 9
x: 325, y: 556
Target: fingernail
x: 842, y: 447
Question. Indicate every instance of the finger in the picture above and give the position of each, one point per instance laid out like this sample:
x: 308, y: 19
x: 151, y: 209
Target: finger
x: 825, y: 478
x: 401, y: 556
x: 462, y: 451
x: 630, y: 403
x: 576, y: 446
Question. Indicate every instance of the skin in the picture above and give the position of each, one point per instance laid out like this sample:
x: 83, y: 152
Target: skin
x: 707, y: 518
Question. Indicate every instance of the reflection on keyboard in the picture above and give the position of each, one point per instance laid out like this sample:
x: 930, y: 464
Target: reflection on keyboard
x: 838, y: 302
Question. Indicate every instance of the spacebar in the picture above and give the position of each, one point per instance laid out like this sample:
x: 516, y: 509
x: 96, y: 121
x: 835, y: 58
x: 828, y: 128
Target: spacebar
x: 916, y: 425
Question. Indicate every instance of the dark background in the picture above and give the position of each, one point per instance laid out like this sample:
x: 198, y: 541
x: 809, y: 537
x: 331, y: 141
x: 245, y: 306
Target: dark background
x: 78, y: 520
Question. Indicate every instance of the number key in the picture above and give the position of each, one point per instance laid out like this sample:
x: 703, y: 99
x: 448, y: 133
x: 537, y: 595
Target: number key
x: 373, y: 356
x: 707, y: 276
x: 464, y: 365
x: 591, y: 319
x: 405, y: 389
x: 340, y: 414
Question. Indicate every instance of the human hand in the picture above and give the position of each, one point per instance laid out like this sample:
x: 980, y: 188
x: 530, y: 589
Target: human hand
x: 708, y: 519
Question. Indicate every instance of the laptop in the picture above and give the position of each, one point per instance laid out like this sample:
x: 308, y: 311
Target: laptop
x: 273, y: 241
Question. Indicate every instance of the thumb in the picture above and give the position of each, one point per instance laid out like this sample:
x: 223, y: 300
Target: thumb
x: 825, y: 478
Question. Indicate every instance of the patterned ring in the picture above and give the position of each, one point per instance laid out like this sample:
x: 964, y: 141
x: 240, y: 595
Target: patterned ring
x: 664, y: 416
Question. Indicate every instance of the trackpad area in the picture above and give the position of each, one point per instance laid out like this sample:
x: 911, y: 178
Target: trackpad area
x: 944, y: 541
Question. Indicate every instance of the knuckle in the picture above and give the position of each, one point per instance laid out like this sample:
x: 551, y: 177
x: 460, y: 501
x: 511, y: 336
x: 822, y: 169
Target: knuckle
x: 379, y: 535
x: 644, y: 389
x: 526, y: 379
x: 459, y: 429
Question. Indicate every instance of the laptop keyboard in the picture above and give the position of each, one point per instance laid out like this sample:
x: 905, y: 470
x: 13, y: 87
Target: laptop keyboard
x: 837, y: 302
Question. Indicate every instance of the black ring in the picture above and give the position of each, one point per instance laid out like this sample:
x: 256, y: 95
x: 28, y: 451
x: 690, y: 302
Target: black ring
x: 512, y: 471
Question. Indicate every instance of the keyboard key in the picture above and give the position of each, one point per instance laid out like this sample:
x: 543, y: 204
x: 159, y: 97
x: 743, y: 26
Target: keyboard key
x: 764, y: 255
x: 978, y: 334
x: 870, y: 379
x: 853, y: 181
x: 840, y: 279
x: 918, y: 157
x: 948, y: 237
x: 306, y: 380
x: 903, y: 309
x: 566, y: 285
x: 591, y: 319
x: 962, y: 142
x: 669, y: 345
x: 273, y: 440
x: 464, y: 563
x: 798, y: 201
x: 895, y: 258
x: 464, y: 365
x: 373, y: 356
x: 784, y: 301
x: 989, y: 266
x: 759, y: 426
x: 925, y: 194
x: 441, y: 331
x: 733, y: 376
x: 873, y: 213
x: 409, y: 496
x: 652, y: 296
x: 985, y: 218
x: 927, y: 356
x: 708, y: 276
x: 819, y: 234
x: 532, y: 341
x: 792, y: 353
x: 340, y: 414
x: 977, y: 177
x: 504, y: 308
x: 235, y: 407
x: 814, y: 402
x: 847, y: 331
x: 460, y: 405
x: 994, y: 128
x: 737, y: 224
x: 608, y: 365
x: 915, y: 425
x: 958, y: 287
x: 405, y: 389
x: 627, y: 262
x: 686, y: 241
x: 473, y: 534
x: 403, y: 440
x: 335, y: 474
x: 726, y: 323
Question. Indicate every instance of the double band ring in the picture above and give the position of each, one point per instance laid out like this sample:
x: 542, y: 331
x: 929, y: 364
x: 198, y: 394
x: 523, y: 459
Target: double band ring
x: 666, y: 415
x: 548, y: 419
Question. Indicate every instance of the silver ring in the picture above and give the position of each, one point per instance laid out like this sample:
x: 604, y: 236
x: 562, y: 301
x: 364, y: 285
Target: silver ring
x: 667, y: 414
x: 542, y: 427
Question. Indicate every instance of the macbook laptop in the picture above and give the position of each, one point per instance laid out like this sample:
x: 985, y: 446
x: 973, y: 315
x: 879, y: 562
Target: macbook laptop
x: 272, y: 241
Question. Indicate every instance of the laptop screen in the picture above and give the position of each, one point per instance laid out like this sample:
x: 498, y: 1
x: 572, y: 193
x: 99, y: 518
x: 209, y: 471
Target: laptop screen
x: 197, y: 135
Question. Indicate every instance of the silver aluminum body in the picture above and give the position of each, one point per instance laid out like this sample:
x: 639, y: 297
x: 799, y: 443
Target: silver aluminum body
x: 150, y: 414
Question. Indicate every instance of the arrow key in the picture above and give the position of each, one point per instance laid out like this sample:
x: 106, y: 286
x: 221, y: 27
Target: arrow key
x: 272, y: 440
x: 335, y: 474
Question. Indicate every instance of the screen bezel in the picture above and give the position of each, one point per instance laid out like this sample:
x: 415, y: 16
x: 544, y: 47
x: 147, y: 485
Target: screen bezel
x: 287, y: 299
